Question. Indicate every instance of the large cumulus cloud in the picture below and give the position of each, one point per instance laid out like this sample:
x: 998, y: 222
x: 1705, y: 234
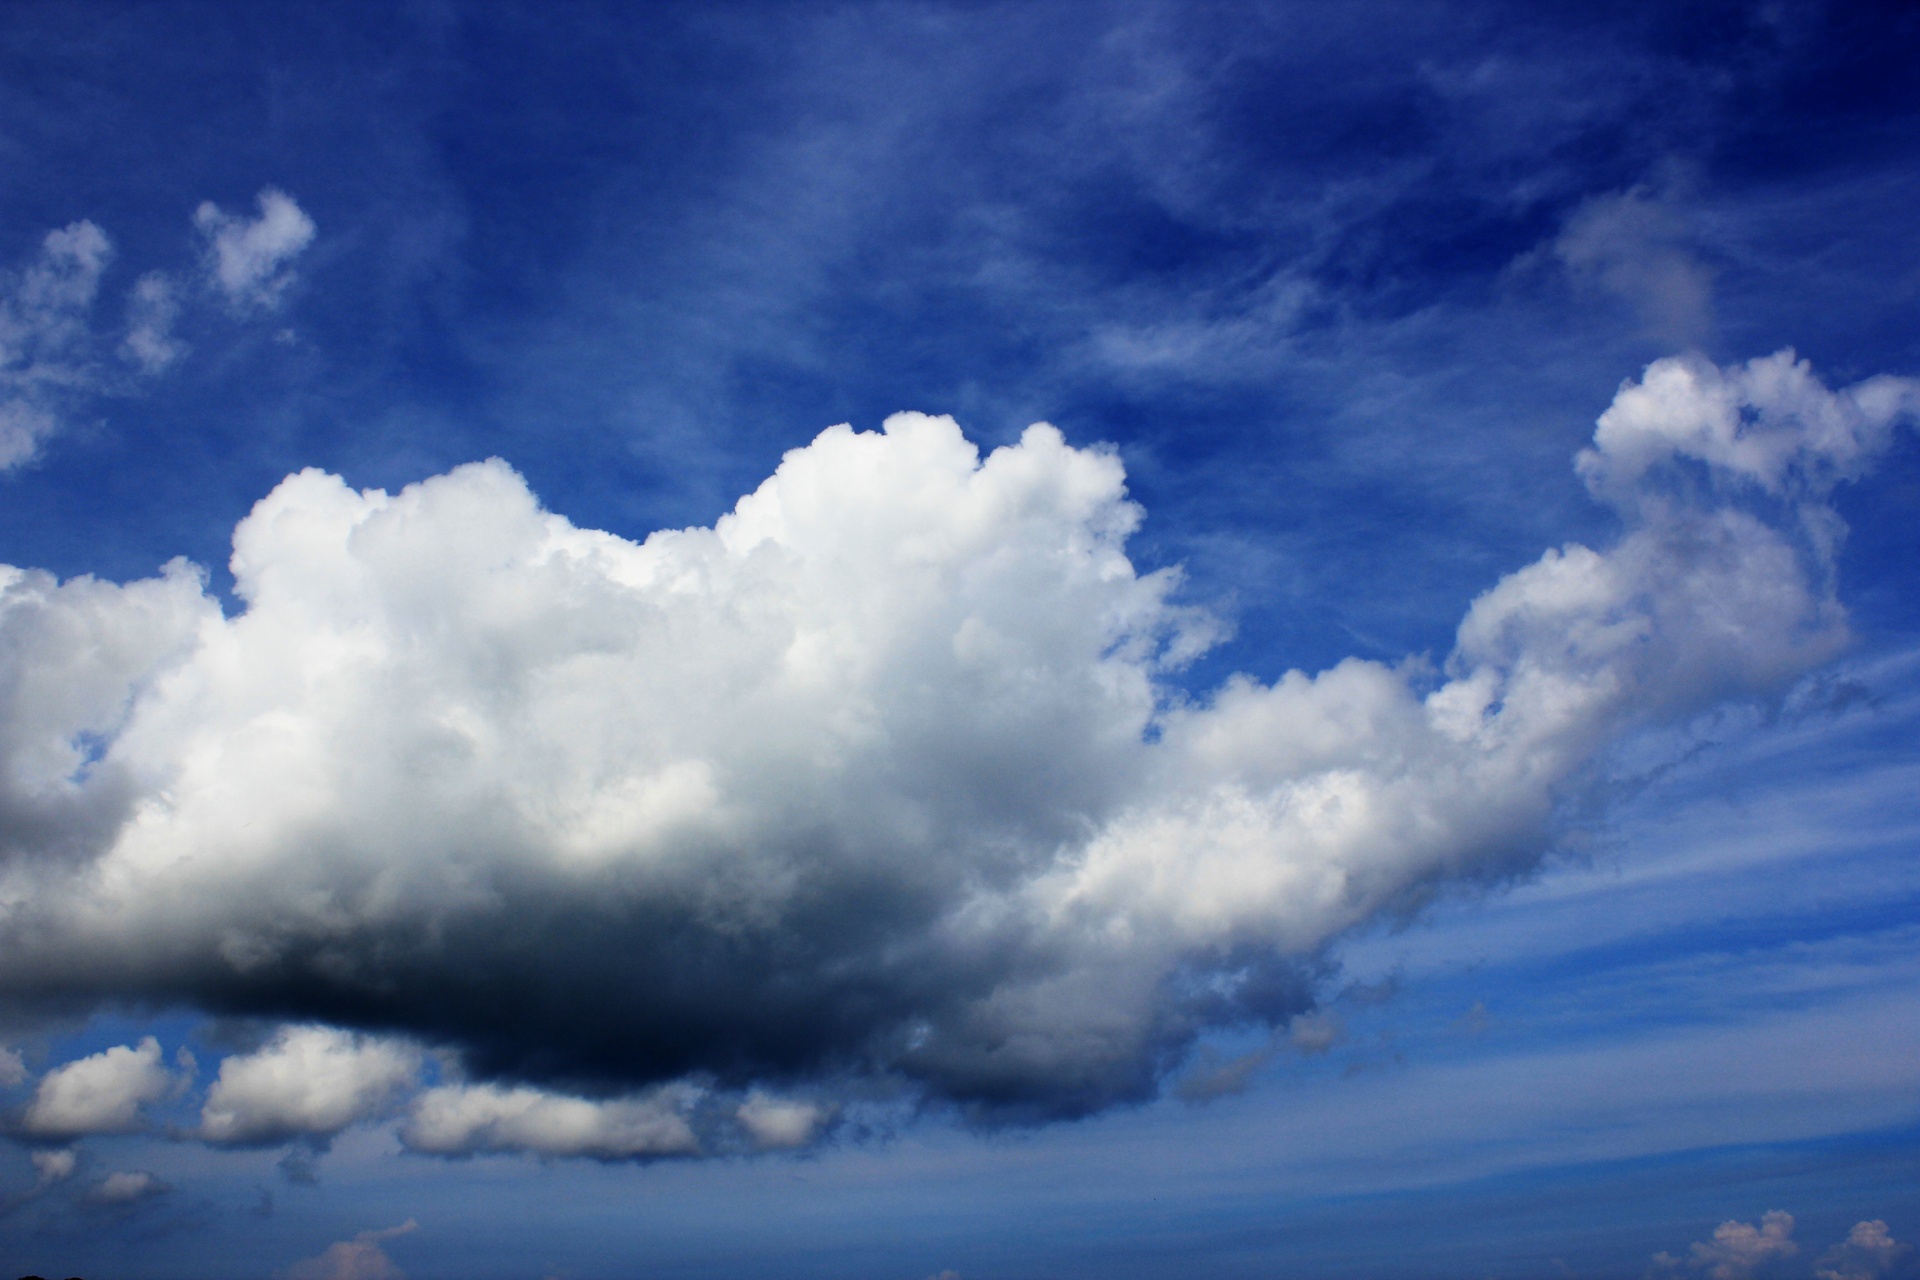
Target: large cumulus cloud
x: 880, y: 775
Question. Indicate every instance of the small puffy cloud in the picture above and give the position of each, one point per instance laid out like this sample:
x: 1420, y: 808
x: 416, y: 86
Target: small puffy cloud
x: 1868, y: 1253
x: 51, y: 350
x: 100, y: 1094
x: 13, y: 1069
x: 1636, y: 246
x: 777, y: 1124
x: 307, y: 1081
x: 153, y: 306
x: 360, y: 1258
x: 128, y: 1187
x: 248, y: 259
x: 1737, y: 1251
x: 54, y: 1166
x: 465, y: 1120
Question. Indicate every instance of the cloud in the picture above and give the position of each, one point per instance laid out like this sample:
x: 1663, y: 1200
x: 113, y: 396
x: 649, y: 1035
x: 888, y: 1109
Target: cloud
x: 248, y: 260
x: 1312, y: 1033
x: 13, y: 1069
x: 360, y: 1258
x: 465, y: 1120
x: 777, y: 1124
x: 50, y: 350
x: 1768, y: 423
x: 45, y: 339
x: 1867, y: 1253
x: 128, y: 1187
x: 100, y: 1094
x: 307, y: 1081
x: 1737, y: 1249
x: 1636, y: 246
x: 54, y: 1166
x: 153, y: 306
x: 882, y: 774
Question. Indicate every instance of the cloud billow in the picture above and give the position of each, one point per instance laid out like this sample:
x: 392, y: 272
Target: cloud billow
x: 881, y: 775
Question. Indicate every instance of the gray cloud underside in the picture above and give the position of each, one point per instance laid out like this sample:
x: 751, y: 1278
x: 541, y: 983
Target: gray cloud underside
x: 880, y: 775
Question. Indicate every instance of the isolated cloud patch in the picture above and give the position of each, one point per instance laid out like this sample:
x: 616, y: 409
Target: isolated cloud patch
x: 102, y: 1093
x: 249, y: 259
x: 779, y: 1123
x: 878, y: 775
x: 307, y: 1081
x: 45, y: 348
x: 1636, y: 245
x: 127, y: 1187
x: 465, y: 1120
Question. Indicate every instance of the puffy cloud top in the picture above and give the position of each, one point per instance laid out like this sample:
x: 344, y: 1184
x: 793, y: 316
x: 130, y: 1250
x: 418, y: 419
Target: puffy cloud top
x: 306, y: 1081
x: 128, y: 1186
x: 100, y: 1094
x: 879, y: 774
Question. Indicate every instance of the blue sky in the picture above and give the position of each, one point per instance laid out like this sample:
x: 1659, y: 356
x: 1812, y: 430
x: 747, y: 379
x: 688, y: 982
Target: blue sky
x: 929, y: 866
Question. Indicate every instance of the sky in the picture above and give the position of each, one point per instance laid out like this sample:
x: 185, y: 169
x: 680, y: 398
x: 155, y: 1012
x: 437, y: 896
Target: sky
x: 959, y: 641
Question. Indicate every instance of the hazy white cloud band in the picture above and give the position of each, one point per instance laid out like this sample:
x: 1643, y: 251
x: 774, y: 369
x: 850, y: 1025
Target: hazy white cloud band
x: 880, y: 774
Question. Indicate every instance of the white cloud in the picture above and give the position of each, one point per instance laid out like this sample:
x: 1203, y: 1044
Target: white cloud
x: 309, y: 1080
x: 1737, y: 1249
x: 102, y: 1093
x: 1868, y: 1252
x: 1768, y: 422
x: 775, y: 1123
x: 881, y: 769
x: 54, y: 1166
x: 360, y: 1258
x: 45, y: 340
x: 248, y: 259
x: 464, y: 1120
x: 50, y: 350
x: 13, y: 1069
x: 128, y: 1187
x: 153, y: 306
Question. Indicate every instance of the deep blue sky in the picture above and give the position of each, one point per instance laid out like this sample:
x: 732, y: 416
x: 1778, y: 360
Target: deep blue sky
x: 1345, y: 286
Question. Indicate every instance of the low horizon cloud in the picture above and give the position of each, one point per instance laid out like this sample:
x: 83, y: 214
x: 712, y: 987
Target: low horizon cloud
x: 881, y: 777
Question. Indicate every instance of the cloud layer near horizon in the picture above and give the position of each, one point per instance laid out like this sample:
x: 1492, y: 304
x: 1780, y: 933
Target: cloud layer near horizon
x: 880, y: 775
